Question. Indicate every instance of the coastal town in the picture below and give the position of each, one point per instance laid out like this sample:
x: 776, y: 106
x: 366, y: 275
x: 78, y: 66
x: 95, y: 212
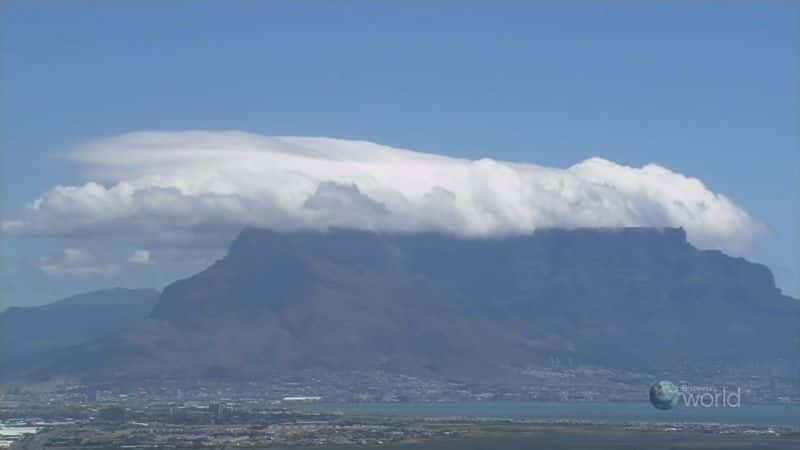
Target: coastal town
x: 301, y: 410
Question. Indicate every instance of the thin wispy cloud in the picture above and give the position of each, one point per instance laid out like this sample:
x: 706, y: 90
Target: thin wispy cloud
x: 140, y: 257
x: 172, y: 187
x: 76, y: 262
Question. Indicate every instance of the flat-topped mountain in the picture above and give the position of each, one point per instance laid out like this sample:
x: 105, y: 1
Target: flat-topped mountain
x: 631, y: 298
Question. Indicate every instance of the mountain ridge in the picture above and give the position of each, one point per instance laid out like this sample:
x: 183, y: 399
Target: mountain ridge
x: 31, y: 330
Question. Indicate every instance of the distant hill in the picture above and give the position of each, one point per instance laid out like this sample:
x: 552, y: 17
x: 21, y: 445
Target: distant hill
x: 29, y: 331
x: 640, y: 299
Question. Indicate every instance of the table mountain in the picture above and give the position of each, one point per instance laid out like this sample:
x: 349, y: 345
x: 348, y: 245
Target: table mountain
x: 633, y: 298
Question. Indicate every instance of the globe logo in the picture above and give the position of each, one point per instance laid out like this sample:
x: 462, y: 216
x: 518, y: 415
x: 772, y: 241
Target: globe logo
x: 664, y: 395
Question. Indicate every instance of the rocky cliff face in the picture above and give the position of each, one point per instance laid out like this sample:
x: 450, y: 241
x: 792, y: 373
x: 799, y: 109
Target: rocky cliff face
x: 641, y: 299
x: 630, y: 297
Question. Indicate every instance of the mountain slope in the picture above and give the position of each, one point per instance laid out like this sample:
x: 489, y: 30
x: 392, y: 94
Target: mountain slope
x: 640, y: 299
x: 27, y: 331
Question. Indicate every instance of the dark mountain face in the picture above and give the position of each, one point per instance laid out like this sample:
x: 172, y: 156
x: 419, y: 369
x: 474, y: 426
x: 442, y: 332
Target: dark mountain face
x: 28, y: 331
x: 640, y: 299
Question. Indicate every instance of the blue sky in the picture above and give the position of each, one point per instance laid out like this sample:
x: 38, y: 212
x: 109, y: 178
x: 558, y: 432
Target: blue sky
x: 706, y: 89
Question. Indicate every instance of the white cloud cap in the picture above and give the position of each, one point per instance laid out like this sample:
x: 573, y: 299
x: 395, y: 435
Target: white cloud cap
x: 175, y: 186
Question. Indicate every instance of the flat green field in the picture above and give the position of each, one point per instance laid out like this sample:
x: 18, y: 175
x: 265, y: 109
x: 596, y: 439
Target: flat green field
x: 594, y: 437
